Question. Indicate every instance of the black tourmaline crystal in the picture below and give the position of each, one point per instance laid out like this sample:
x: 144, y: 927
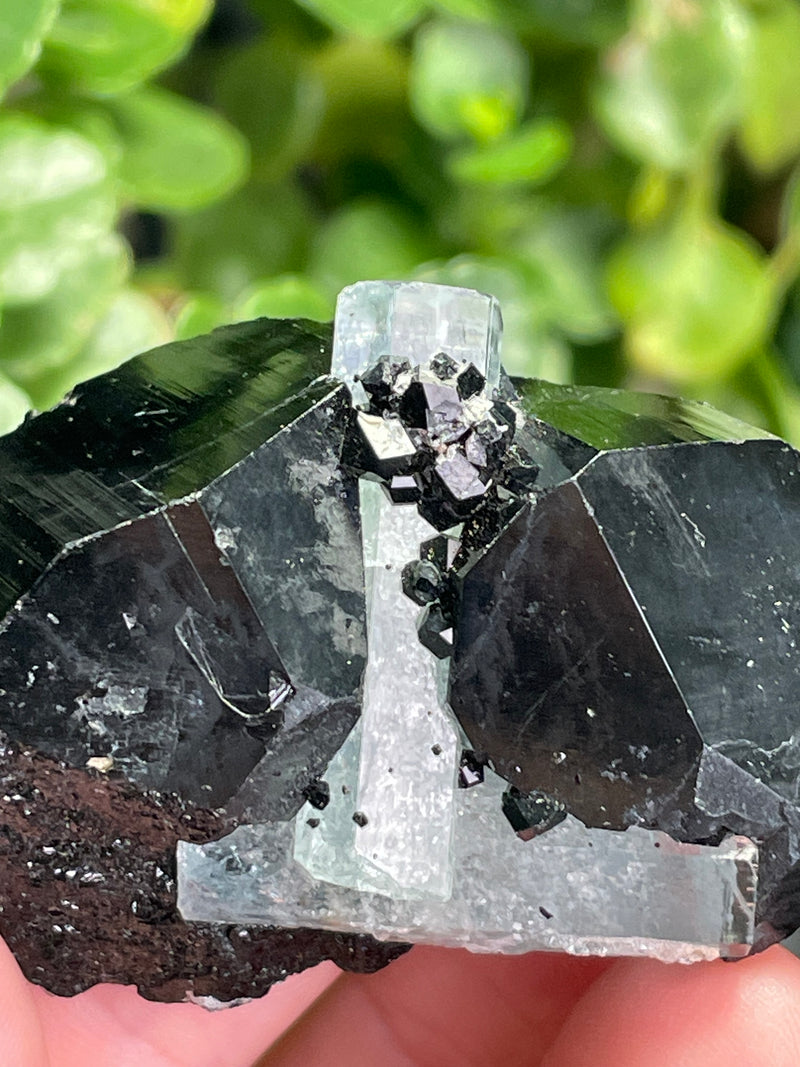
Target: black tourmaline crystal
x: 614, y: 583
x: 178, y: 546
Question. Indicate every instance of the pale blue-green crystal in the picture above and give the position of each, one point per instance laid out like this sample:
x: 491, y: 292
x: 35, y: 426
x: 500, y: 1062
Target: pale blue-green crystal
x: 399, y: 766
x: 574, y: 889
x: 414, y: 321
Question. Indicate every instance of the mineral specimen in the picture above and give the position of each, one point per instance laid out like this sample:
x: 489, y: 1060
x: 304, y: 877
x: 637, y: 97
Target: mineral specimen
x: 362, y: 638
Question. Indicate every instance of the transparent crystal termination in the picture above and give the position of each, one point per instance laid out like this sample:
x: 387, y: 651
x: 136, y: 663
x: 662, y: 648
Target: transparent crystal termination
x: 414, y: 321
x: 575, y: 889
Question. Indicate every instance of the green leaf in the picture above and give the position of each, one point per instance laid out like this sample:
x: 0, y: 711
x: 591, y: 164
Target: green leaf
x: 54, y: 201
x: 696, y: 298
x: 23, y: 23
x: 529, y: 156
x: 176, y: 155
x: 770, y: 127
x: 274, y: 96
x: 14, y: 403
x: 290, y: 296
x: 476, y: 10
x: 563, y: 251
x: 467, y: 79
x: 577, y: 22
x: 200, y: 313
x: 364, y: 86
x: 260, y: 230
x: 38, y: 340
x: 367, y: 18
x: 366, y: 239
x: 107, y: 46
x: 671, y: 87
x: 790, y: 209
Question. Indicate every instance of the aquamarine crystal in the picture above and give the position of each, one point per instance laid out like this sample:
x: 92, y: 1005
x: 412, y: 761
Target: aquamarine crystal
x: 399, y: 850
x: 575, y: 889
x: 414, y: 321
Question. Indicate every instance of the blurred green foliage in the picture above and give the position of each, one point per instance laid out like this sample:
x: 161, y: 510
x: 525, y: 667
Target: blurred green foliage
x: 625, y: 178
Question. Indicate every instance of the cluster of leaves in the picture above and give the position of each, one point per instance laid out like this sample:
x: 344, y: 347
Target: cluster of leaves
x: 624, y: 177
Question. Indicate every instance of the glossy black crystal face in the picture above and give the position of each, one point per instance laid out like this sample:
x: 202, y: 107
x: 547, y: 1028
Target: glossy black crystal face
x: 185, y: 521
x: 612, y: 581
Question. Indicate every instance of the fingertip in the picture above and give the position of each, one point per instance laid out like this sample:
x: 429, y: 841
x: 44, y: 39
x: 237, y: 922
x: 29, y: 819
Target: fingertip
x: 438, y: 1006
x: 21, y: 1038
x: 641, y: 1012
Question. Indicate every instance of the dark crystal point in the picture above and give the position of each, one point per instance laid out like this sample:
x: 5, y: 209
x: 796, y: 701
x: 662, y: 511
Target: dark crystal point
x: 378, y: 381
x: 470, y: 769
x: 422, y: 581
x: 404, y: 488
x: 155, y: 430
x: 443, y: 366
x: 422, y: 399
x: 707, y: 537
x: 460, y: 478
x: 436, y: 630
x: 318, y: 794
x: 547, y: 620
x: 531, y: 814
x: 469, y: 382
x: 637, y: 583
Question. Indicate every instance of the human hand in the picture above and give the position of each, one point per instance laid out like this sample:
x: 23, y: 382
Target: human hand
x: 434, y: 1008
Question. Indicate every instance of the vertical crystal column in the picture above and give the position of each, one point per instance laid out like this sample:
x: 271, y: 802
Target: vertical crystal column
x: 409, y: 740
x: 403, y: 796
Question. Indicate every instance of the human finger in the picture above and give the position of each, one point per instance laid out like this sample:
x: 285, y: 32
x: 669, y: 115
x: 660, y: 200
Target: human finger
x: 21, y: 1038
x: 112, y: 1024
x: 642, y: 1013
x: 438, y: 1007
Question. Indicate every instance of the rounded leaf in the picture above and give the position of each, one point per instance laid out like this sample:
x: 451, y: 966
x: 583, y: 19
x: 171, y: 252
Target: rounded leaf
x: 529, y: 156
x: 672, y: 86
x: 366, y: 112
x: 133, y: 322
x: 790, y: 208
x: 176, y: 155
x: 14, y: 404
x: 38, y: 340
x: 366, y: 239
x: 563, y: 251
x: 199, y: 313
x: 273, y: 96
x: 695, y: 297
x: 770, y: 126
x: 107, y: 46
x: 467, y: 79
x: 22, y: 25
x: 366, y: 18
x: 261, y: 229
x: 55, y: 200
x: 290, y: 296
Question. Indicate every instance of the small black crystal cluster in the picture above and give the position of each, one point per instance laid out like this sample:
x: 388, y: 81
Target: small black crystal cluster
x: 433, y: 437
x: 436, y: 439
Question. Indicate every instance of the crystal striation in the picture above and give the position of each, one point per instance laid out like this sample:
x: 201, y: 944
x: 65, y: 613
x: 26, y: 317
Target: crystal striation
x: 412, y: 651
